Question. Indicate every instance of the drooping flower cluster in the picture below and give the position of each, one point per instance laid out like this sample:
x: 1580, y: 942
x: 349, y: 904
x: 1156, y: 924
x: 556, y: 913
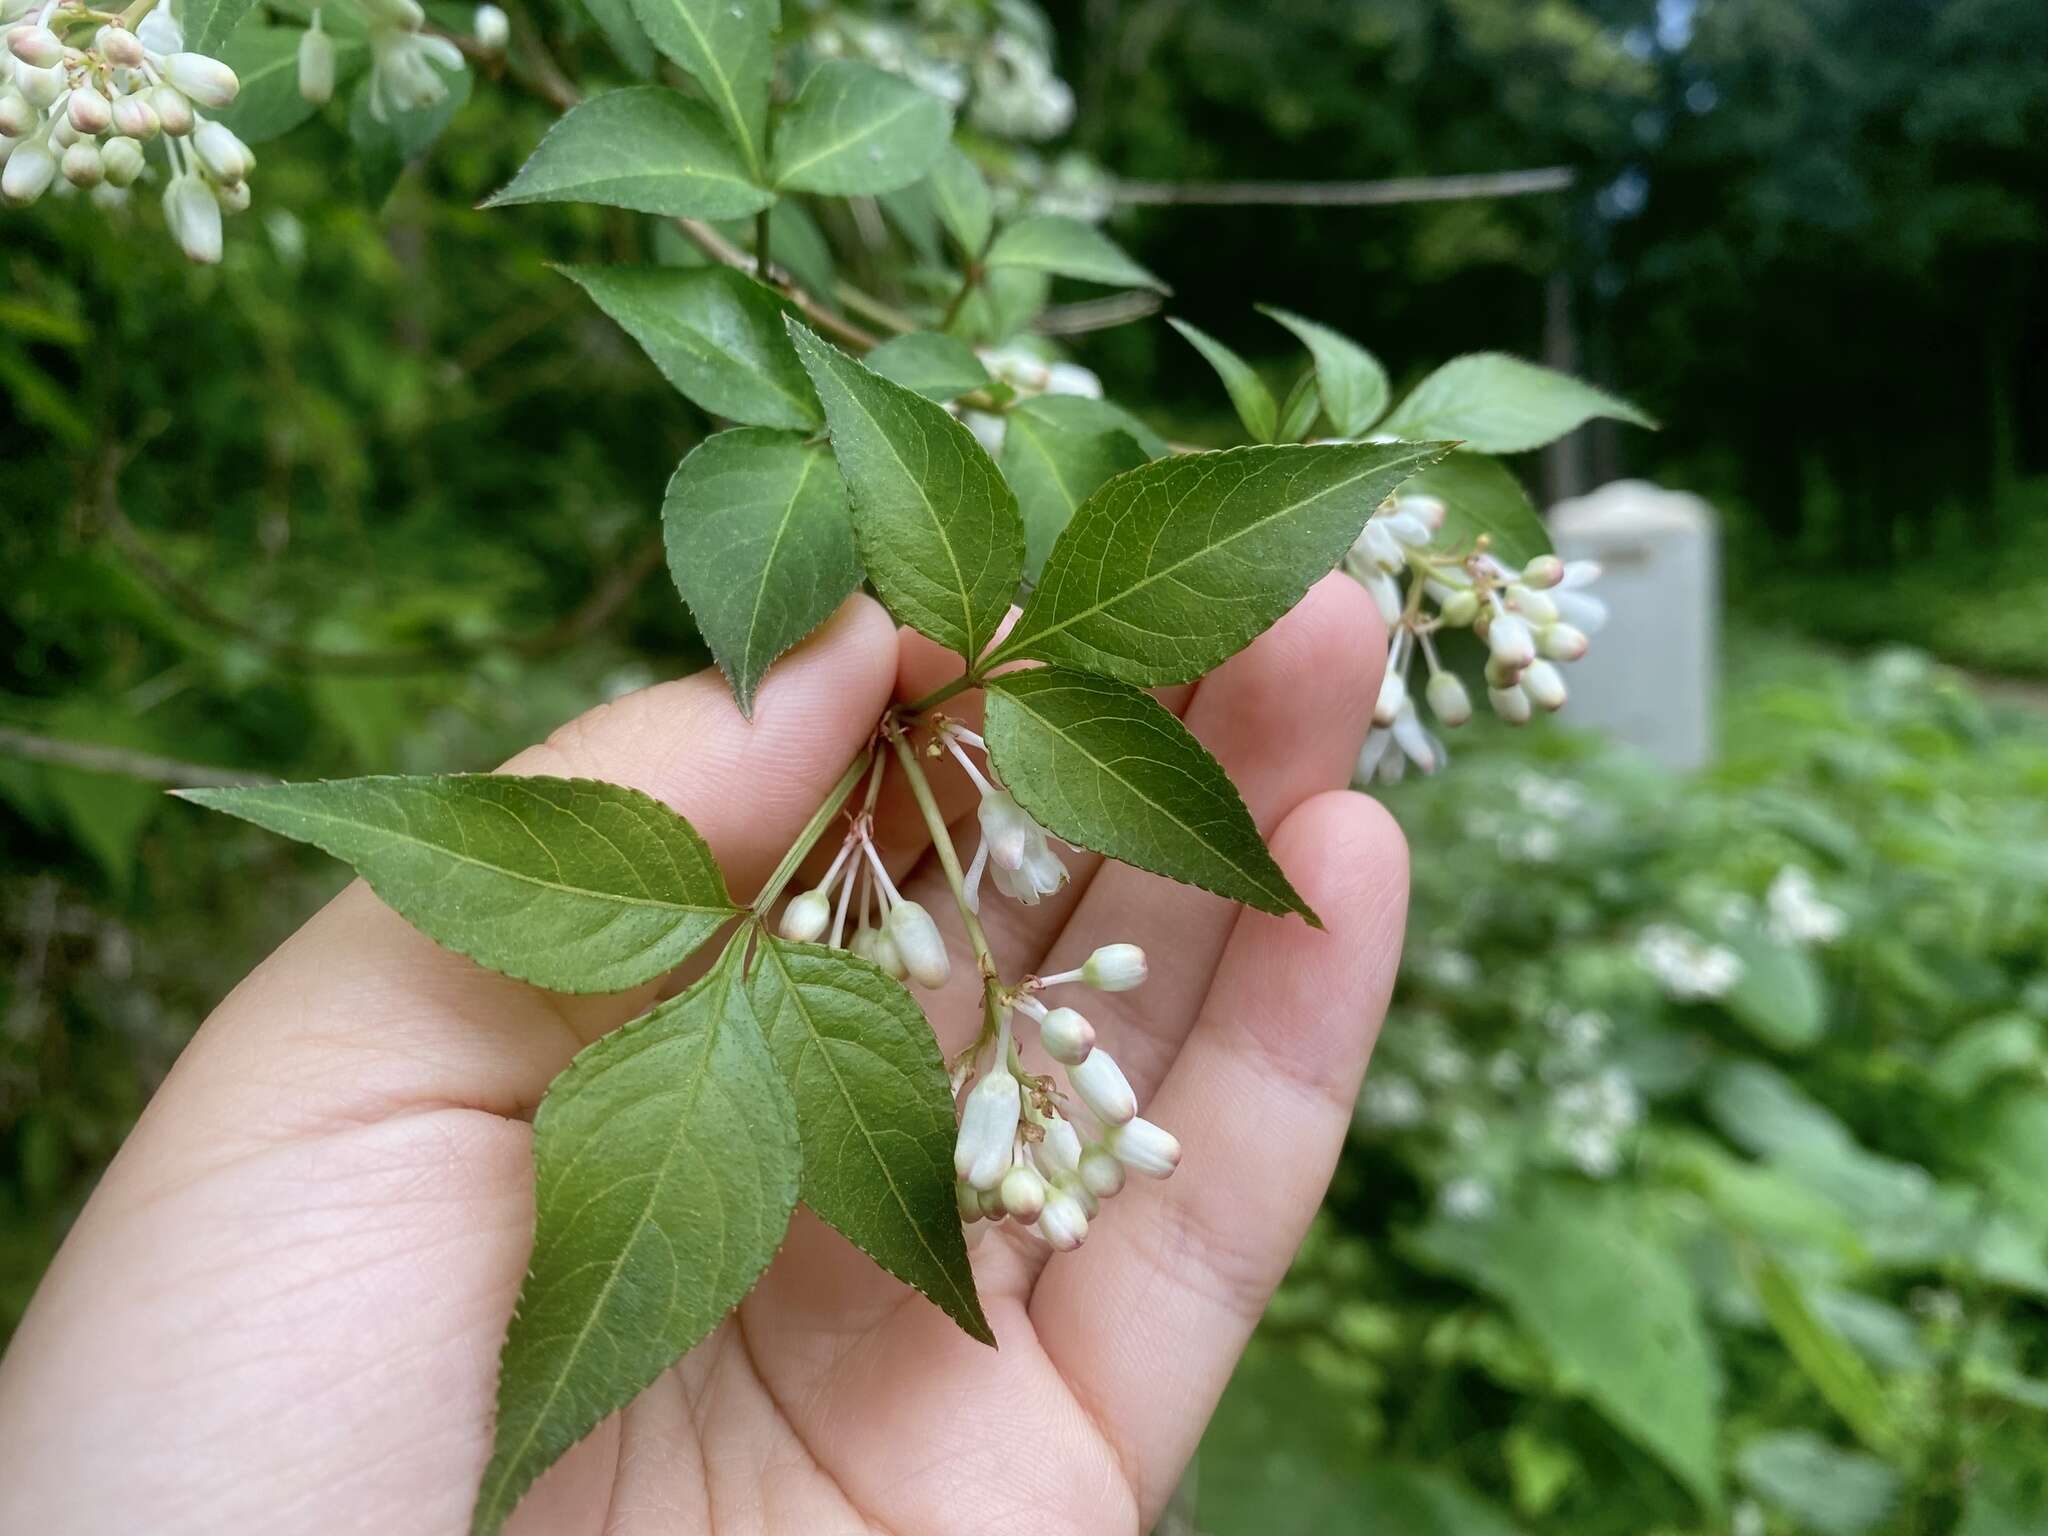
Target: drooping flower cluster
x: 1529, y: 619
x: 1043, y: 1157
x: 1015, y: 851
x: 900, y: 937
x: 409, y: 68
x: 80, y: 97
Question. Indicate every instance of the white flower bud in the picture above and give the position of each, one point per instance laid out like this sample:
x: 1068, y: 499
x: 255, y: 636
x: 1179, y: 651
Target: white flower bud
x: 41, y: 86
x: 991, y: 1205
x: 1064, y: 1221
x: 119, y: 47
x: 1448, y: 700
x: 1386, y: 595
x: 1023, y: 1193
x: 173, y: 110
x: 16, y: 115
x: 1510, y: 703
x: 1100, y: 1083
x: 1007, y: 828
x: 1393, y: 694
x: 206, y: 81
x: 968, y: 1198
x: 122, y: 161
x: 988, y: 1129
x: 917, y: 940
x: 159, y: 33
x: 316, y: 65
x: 1060, y: 1151
x: 107, y: 197
x: 135, y: 118
x: 493, y: 28
x: 1114, y: 968
x: 1145, y: 1148
x: 1460, y: 608
x: 37, y: 47
x: 805, y: 918
x: 1066, y: 1036
x: 1509, y: 640
x: 1542, y: 573
x: 1531, y: 604
x: 88, y: 111
x: 1101, y: 1174
x: 1429, y: 510
x: 1405, y: 526
x: 62, y: 134
x: 1562, y: 642
x: 81, y: 164
x: 30, y: 169
x: 1544, y: 685
x: 233, y: 198
x: 193, y: 215
x: 226, y: 156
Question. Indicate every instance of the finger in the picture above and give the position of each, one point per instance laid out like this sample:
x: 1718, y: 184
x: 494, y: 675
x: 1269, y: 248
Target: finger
x: 1147, y: 1319
x: 1285, y: 717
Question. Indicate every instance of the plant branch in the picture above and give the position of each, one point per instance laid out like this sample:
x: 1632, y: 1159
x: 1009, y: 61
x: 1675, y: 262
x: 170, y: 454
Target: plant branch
x: 966, y: 680
x: 91, y: 757
x: 1342, y: 194
x: 949, y: 858
x: 814, y: 829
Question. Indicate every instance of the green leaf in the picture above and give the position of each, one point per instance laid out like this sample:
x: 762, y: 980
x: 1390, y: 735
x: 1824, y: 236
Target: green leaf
x: 1780, y: 994
x: 854, y: 129
x: 1057, y: 450
x: 1298, y: 412
x: 1048, y: 242
x: 1823, y: 1489
x: 716, y: 334
x: 1614, y: 1309
x: 570, y: 884
x: 1482, y: 496
x: 1353, y: 384
x: 646, y: 148
x: 1110, y: 768
x: 207, y: 24
x: 1170, y: 568
x: 1495, y: 403
x: 937, y: 366
x: 1248, y: 393
x: 266, y: 61
x: 385, y: 148
x: 875, y: 1113
x: 729, y: 47
x: 960, y: 195
x: 1002, y: 304
x: 622, y: 30
x: 666, y: 1165
x: 759, y: 545
x: 1836, y: 1370
x: 938, y: 530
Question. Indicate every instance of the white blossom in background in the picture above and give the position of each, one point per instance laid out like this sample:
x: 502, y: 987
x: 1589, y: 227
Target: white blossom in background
x: 1390, y: 1102
x: 1689, y: 968
x: 1466, y: 1198
x: 1798, y: 914
x: 1028, y: 373
x: 1017, y: 94
x: 1588, y: 1122
x: 409, y: 68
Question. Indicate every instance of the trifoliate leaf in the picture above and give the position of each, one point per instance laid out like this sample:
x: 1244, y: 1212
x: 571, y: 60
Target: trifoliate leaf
x: 961, y: 198
x: 760, y: 546
x: 854, y: 129
x: 1057, y: 449
x: 938, y: 530
x: 1494, y: 403
x: 646, y: 148
x: 570, y: 884
x: 1248, y: 393
x: 935, y: 365
x: 1065, y: 247
x: 716, y: 334
x: 1110, y: 768
x: 875, y: 1113
x: 666, y: 1165
x: 1352, y: 382
x: 1168, y: 569
x: 729, y: 47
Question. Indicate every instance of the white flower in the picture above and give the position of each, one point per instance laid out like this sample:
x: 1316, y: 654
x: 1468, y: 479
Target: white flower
x: 1066, y: 1036
x: 1798, y: 914
x: 316, y: 64
x: 1574, y: 607
x: 1689, y: 968
x: 982, y: 1153
x: 1060, y: 1152
x: 206, y: 81
x: 1466, y: 1199
x: 804, y: 919
x: 193, y: 214
x: 404, y: 76
x: 1099, y: 1083
x: 159, y: 31
x: 1024, y: 1193
x: 1114, y: 968
x: 493, y: 28
x: 1390, y: 1102
x: 1101, y: 1174
x: 1064, y: 1221
x: 916, y: 937
x: 1144, y: 1148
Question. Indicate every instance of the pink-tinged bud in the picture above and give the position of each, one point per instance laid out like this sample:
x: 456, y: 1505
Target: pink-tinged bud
x: 1145, y: 1148
x: 1064, y: 1221
x: 1114, y: 968
x: 1544, y: 685
x: 992, y: 1208
x: 226, y: 156
x: 233, y: 198
x: 1066, y: 1036
x: 119, y: 47
x: 29, y: 171
x: 135, y: 118
x: 1460, y: 608
x: 1101, y: 1174
x: 917, y: 941
x: 206, y: 81
x: 1499, y: 676
x: 1542, y: 573
x: 1511, y: 704
x: 81, y: 164
x: 122, y: 160
x: 37, y: 47
x: 16, y: 115
x: 1059, y: 1153
x: 173, y: 110
x: 88, y: 111
x: 1448, y: 700
x: 1509, y: 641
x: 805, y: 918
x: 968, y: 1198
x: 1531, y: 604
x: 62, y: 135
x: 1393, y: 694
x: 316, y: 65
x: 988, y: 1129
x: 193, y: 215
x: 1100, y: 1083
x: 1023, y: 1193
x: 1429, y: 510
x: 1562, y: 642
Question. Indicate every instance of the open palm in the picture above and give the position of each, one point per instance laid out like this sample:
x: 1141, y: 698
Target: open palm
x: 281, y: 1310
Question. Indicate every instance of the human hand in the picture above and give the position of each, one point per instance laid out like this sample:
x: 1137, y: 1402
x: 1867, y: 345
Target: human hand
x: 281, y: 1310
